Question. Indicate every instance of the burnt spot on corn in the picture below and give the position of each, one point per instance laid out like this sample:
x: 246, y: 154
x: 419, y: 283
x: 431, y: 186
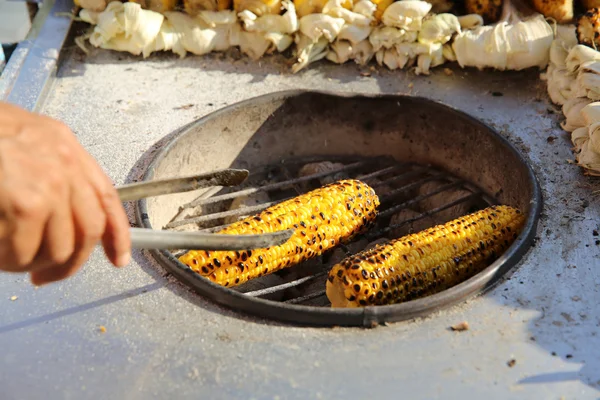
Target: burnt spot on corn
x: 332, y: 223
x: 427, y: 262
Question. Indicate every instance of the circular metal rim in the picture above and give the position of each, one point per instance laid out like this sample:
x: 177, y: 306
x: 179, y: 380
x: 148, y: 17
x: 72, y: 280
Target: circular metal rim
x: 367, y: 316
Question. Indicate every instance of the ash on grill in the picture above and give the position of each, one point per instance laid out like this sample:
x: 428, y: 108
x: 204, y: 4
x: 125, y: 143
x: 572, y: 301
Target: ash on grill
x: 413, y: 197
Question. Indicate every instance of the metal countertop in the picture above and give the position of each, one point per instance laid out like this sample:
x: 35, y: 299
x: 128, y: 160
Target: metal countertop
x: 162, y: 341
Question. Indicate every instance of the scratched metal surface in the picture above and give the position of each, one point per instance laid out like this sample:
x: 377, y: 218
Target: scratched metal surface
x: 162, y: 341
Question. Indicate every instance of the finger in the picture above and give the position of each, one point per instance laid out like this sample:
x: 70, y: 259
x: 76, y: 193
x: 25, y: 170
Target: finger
x: 116, y: 239
x: 27, y: 214
x: 59, y: 239
x: 89, y: 224
x: 59, y: 235
x: 49, y: 275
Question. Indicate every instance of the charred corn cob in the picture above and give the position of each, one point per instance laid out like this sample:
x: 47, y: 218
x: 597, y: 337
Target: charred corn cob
x: 490, y: 10
x: 424, y: 263
x: 560, y: 10
x: 588, y: 28
x: 322, y: 218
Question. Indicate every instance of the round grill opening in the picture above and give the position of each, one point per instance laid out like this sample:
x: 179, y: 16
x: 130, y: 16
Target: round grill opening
x: 428, y: 164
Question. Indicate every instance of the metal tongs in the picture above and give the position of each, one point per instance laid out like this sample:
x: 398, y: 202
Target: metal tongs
x: 142, y: 238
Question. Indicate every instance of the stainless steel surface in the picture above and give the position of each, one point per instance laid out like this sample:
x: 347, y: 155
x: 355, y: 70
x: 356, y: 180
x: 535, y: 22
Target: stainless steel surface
x: 141, y: 190
x: 142, y: 238
x: 28, y: 74
x: 161, y: 341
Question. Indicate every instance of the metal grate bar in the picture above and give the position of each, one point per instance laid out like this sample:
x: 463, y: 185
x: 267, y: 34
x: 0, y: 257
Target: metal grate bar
x: 389, y: 228
x: 260, y: 207
x: 393, y: 175
x: 283, y: 286
x: 417, y: 199
x: 272, y: 186
x: 224, y: 214
x: 307, y: 297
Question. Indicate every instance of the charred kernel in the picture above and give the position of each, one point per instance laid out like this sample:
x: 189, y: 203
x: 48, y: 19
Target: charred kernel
x: 357, y: 288
x: 244, y: 256
x: 380, y: 294
x: 217, y: 262
x: 365, y: 274
x: 195, y: 262
x: 205, y: 270
x: 340, y: 273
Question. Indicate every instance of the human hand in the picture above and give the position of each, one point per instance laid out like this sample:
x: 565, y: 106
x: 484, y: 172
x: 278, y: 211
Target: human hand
x: 56, y: 203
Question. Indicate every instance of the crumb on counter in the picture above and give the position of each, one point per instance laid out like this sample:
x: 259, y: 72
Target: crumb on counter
x: 461, y: 326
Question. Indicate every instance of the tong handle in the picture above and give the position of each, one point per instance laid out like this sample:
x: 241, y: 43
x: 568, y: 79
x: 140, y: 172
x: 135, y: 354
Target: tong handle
x: 165, y: 240
x: 160, y: 187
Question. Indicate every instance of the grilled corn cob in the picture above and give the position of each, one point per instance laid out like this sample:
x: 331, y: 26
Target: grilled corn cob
x: 424, y: 263
x: 588, y: 28
x: 490, y: 10
x: 323, y: 218
x: 560, y: 10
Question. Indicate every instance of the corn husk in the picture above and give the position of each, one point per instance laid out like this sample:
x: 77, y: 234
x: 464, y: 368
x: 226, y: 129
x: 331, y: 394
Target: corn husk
x: 439, y: 29
x: 504, y: 46
x: 309, y: 51
x: 406, y: 14
x: 572, y: 111
x: 579, y: 55
x: 342, y: 51
x: 317, y: 26
x: 335, y: 9
x: 433, y: 58
x: 529, y: 43
x: 560, y: 83
x: 269, y: 23
x: 587, y: 84
x: 387, y: 37
x: 470, y: 21
x: 124, y: 27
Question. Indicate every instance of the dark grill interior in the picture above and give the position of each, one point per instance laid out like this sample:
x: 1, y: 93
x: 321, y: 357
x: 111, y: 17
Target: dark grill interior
x: 413, y: 197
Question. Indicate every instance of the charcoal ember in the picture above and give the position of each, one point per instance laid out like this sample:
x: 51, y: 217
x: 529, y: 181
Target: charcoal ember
x: 446, y: 197
x: 339, y: 253
x: 321, y: 167
x: 380, y: 187
x: 254, y: 199
x: 411, y: 227
x: 263, y: 282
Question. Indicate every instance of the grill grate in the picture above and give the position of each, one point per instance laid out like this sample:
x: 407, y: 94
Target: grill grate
x: 401, y: 187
